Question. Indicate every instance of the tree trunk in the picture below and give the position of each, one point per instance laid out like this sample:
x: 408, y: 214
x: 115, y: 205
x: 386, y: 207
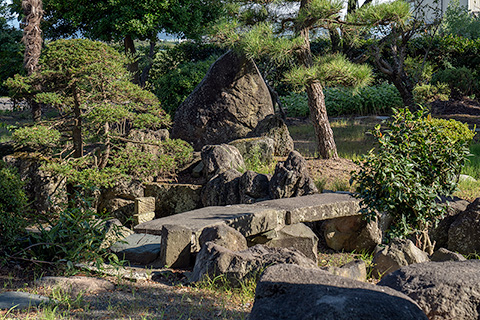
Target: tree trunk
x: 318, y: 115
x: 131, y: 53
x: 405, y: 89
x: 145, y: 72
x: 32, y: 38
x: 316, y: 100
x: 77, y: 127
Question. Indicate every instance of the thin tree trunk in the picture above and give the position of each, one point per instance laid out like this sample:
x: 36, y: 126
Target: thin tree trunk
x: 77, y: 127
x: 145, y: 72
x: 316, y: 100
x: 131, y: 53
x: 32, y: 38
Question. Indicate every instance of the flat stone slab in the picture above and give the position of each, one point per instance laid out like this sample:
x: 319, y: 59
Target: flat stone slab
x: 21, y: 300
x: 248, y: 219
x: 138, y: 248
x: 315, y: 207
x: 260, y: 217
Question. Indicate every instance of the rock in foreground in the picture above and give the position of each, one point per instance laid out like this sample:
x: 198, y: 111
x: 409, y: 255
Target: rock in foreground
x: 444, y: 290
x: 293, y: 292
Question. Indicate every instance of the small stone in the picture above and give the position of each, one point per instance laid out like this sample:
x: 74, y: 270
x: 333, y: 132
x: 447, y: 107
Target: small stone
x: 399, y: 253
x: 443, y: 254
x: 356, y: 270
x: 224, y: 236
x: 176, y: 247
x: 143, y: 217
x: 144, y: 205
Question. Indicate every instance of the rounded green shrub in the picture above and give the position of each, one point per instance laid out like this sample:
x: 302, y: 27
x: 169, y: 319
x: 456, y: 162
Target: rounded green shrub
x: 417, y: 160
x: 462, y: 81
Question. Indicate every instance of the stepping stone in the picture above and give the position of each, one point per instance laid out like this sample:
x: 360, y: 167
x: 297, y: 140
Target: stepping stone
x: 21, y: 300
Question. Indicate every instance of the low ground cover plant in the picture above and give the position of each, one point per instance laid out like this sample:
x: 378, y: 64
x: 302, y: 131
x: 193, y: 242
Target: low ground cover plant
x: 417, y: 160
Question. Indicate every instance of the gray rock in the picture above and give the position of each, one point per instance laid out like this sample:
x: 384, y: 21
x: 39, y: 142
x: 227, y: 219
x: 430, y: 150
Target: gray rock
x: 76, y: 285
x: 118, y: 208
x: 399, y: 253
x: 214, y: 260
x: 352, y: 234
x: 224, y: 236
x: 144, y: 205
x: 114, y: 232
x: 293, y: 292
x: 220, y: 158
x: 176, y: 247
x: 261, y: 217
x: 259, y: 149
x: 291, y: 178
x: 253, y: 187
x: 223, y: 189
x: 444, y: 290
x: 464, y: 233
x: 124, y: 188
x: 174, y: 198
x: 140, y: 249
x: 443, y: 254
x: 296, y: 236
x: 439, y: 234
x: 315, y: 207
x: 356, y: 270
x: 21, y: 300
x: 227, y: 105
x: 275, y: 128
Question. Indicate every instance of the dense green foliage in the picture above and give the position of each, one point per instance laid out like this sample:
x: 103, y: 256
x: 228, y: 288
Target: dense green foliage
x: 13, y: 208
x: 98, y: 108
x: 177, y: 71
x: 377, y: 99
x: 417, y: 160
x: 11, y: 53
x: 113, y: 20
x: 426, y: 93
x: 458, y: 21
x: 461, y: 81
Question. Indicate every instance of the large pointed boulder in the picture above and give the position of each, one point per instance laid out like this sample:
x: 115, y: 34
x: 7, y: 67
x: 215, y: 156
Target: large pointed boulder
x: 227, y: 105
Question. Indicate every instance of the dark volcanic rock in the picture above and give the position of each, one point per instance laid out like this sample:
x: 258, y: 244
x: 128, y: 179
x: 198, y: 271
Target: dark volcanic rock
x: 464, y: 232
x: 227, y: 105
x: 444, y: 290
x: 293, y: 292
x: 291, y: 178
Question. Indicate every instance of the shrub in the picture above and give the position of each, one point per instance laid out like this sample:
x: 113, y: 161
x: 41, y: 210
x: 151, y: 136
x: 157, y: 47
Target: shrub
x: 417, y: 160
x: 461, y: 81
x: 77, y: 235
x: 376, y: 99
x: 426, y: 93
x: 13, y: 207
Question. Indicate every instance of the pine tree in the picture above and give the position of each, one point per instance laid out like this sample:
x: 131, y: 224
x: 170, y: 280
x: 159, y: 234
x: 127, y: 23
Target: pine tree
x: 282, y: 28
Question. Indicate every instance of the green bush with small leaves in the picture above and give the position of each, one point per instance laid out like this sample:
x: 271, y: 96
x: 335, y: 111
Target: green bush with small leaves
x: 417, y: 160
x: 461, y: 81
x: 426, y: 93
